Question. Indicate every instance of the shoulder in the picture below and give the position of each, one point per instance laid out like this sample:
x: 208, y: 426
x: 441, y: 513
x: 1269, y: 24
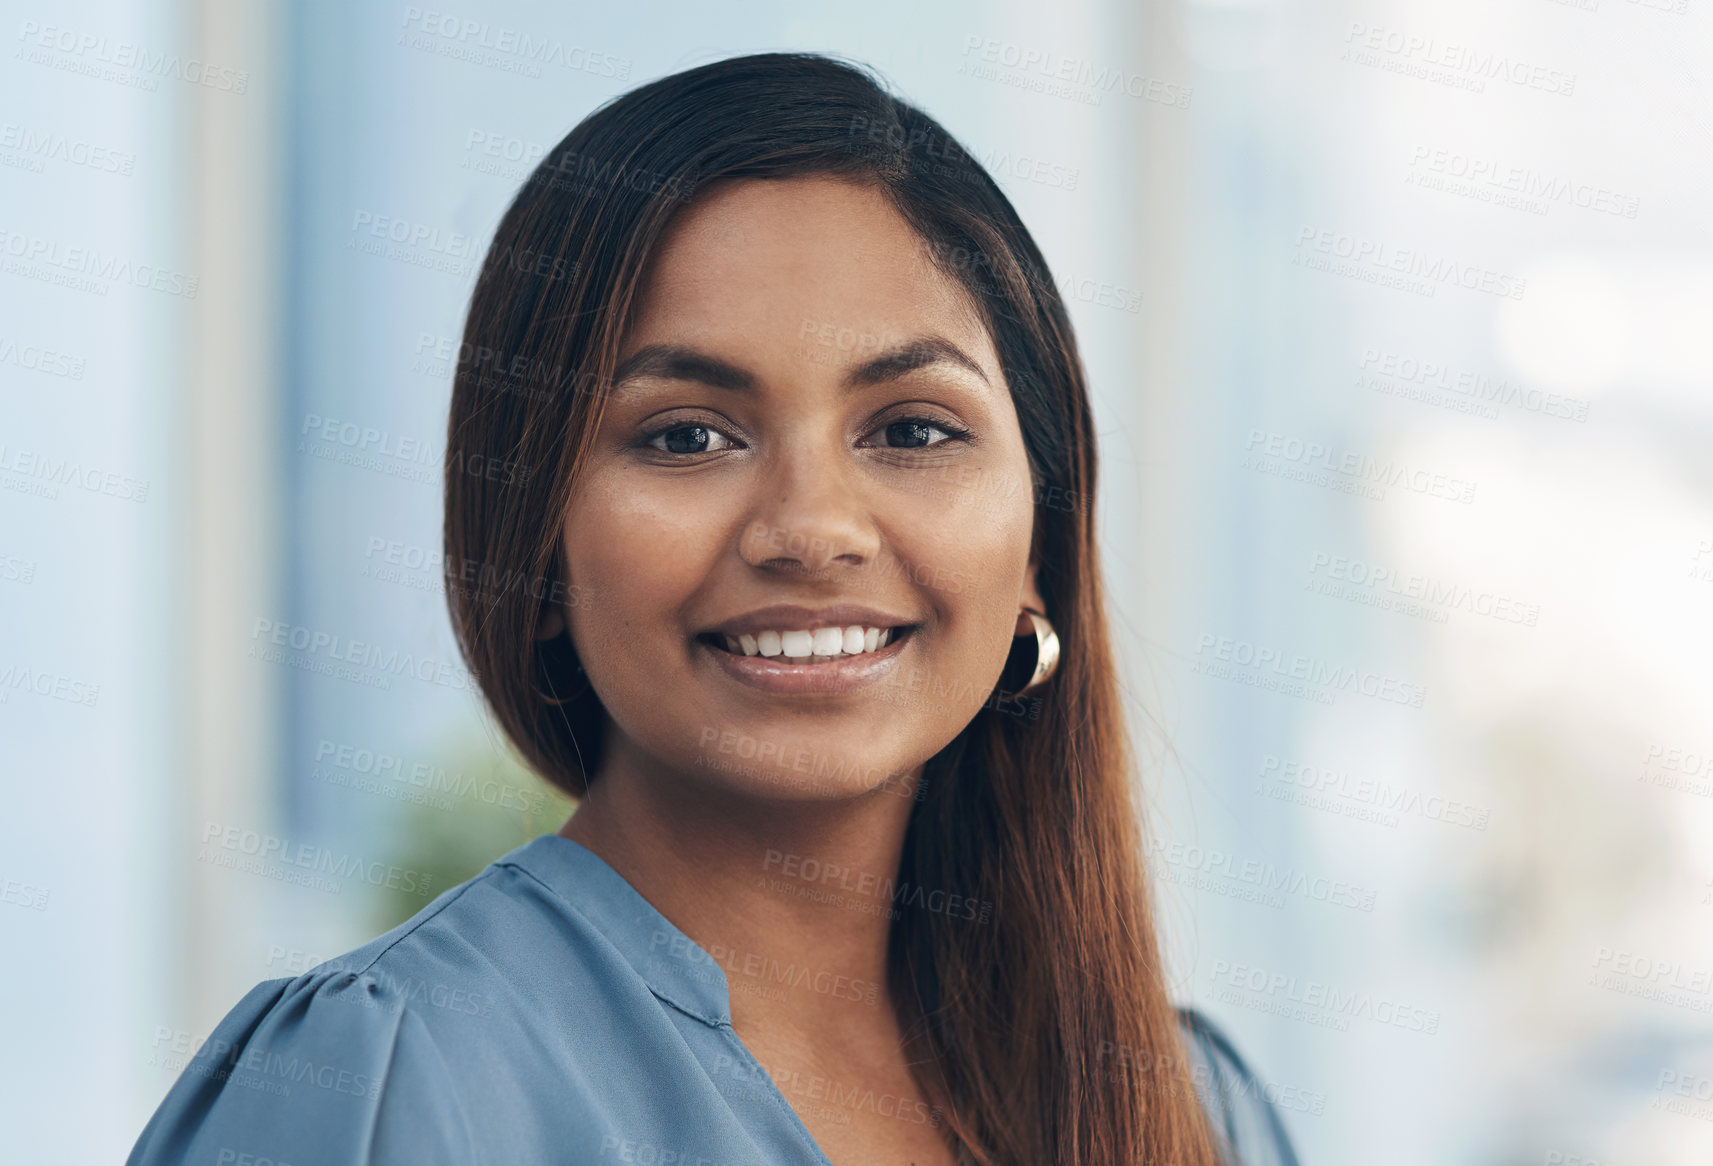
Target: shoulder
x: 347, y: 1063
x: 1248, y: 1124
x: 326, y: 1068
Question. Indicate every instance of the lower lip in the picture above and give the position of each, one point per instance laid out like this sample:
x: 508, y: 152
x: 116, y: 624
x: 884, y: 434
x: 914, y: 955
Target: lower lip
x: 845, y: 674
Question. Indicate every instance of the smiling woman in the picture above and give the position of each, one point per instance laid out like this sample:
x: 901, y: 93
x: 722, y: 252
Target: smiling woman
x: 855, y: 875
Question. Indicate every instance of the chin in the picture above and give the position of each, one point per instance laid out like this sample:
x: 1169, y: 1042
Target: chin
x: 800, y: 766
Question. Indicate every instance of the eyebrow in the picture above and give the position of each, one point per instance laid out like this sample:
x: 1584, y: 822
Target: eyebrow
x: 676, y: 362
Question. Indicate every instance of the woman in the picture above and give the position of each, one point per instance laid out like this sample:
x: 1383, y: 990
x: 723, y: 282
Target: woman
x: 773, y: 452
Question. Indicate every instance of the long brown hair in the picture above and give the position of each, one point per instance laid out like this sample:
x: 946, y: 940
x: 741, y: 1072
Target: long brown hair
x: 1047, y: 1033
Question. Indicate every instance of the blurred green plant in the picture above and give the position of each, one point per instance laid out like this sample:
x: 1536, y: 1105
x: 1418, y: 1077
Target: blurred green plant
x: 480, y: 804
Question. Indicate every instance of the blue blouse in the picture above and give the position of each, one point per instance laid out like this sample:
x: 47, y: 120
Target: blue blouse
x: 452, y: 1039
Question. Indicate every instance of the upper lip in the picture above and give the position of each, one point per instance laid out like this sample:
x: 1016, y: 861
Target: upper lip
x: 787, y: 617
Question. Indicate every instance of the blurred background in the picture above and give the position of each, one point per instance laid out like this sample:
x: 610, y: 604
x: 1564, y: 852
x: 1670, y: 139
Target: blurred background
x: 1399, y: 317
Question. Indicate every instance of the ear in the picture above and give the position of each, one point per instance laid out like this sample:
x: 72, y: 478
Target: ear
x: 550, y: 623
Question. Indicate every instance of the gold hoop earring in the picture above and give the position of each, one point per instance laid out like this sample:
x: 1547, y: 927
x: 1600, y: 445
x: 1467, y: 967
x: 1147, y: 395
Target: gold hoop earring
x: 1046, y: 647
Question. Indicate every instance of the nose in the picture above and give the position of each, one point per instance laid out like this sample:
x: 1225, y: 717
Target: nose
x: 811, y: 514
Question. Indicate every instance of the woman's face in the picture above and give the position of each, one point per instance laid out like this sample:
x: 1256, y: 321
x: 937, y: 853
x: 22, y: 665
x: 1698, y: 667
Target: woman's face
x: 810, y: 433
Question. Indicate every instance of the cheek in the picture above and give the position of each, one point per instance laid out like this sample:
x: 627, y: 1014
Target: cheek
x: 997, y: 600
x: 635, y: 562
x: 970, y: 552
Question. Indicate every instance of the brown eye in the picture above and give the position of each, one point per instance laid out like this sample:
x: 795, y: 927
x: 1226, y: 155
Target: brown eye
x: 917, y: 433
x: 689, y: 439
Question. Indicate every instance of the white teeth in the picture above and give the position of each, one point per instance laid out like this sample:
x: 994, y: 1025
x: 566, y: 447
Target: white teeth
x: 809, y: 646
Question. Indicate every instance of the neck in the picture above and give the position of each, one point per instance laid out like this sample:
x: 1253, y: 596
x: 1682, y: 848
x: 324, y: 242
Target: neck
x: 791, y: 898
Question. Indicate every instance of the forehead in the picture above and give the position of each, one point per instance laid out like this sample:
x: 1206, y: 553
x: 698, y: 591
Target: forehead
x: 795, y: 253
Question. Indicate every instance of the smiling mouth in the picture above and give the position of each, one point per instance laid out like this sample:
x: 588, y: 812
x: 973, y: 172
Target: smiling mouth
x: 809, y: 647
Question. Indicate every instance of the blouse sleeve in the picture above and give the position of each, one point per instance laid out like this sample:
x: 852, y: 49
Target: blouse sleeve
x: 329, y: 1069
x: 1248, y: 1124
